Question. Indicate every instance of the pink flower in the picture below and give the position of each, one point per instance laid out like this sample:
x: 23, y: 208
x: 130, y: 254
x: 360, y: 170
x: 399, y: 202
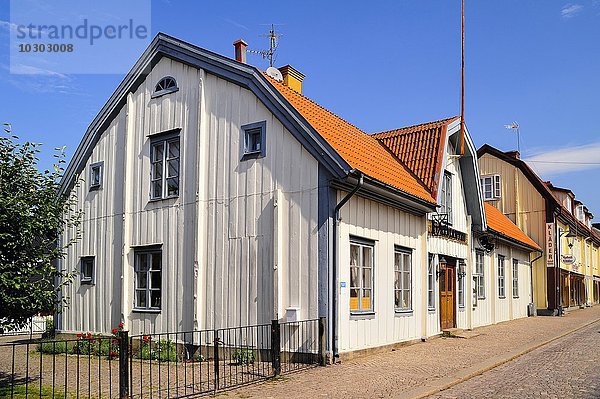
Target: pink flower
x: 114, y: 330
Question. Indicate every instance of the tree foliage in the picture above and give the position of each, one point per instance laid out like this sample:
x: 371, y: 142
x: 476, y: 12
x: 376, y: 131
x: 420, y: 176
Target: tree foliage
x: 32, y: 217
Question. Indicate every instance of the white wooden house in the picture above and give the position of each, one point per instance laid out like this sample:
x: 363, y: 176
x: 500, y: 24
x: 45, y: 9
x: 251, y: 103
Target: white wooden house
x: 216, y: 196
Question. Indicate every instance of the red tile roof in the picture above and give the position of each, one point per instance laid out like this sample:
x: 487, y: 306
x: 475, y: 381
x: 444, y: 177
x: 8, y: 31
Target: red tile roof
x: 420, y: 147
x: 361, y: 150
x: 502, y: 225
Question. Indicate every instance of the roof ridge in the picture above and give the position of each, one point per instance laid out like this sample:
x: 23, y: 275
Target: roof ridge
x: 439, y: 121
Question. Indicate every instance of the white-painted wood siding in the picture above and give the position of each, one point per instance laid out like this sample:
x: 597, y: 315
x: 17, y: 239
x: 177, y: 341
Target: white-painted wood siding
x: 217, y: 236
x: 388, y: 227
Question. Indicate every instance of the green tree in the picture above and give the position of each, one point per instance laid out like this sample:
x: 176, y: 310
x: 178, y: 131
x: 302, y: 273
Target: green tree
x: 32, y: 217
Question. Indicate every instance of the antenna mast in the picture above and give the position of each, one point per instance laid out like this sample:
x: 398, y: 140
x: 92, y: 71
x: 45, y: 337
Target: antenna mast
x: 462, y: 81
x: 273, y: 43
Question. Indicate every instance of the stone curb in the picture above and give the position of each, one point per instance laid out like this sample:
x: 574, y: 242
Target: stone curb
x: 495, y: 362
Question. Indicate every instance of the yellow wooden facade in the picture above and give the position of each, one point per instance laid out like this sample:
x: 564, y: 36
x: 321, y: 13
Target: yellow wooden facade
x: 523, y: 203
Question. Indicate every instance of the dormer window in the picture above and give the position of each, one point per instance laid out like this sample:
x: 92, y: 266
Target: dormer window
x: 579, y: 212
x: 446, y: 197
x: 164, y: 86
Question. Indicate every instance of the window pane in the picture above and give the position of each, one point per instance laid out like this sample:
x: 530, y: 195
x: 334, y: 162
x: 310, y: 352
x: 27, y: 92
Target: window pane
x: 156, y: 189
x: 397, y: 296
x: 367, y: 257
x: 354, y: 251
x: 96, y: 176
x: 141, y: 280
x: 367, y: 278
x: 155, y: 299
x: 407, y: 263
x: 397, y: 280
x: 354, y: 280
x: 366, y: 300
x: 406, y: 299
x: 253, y: 140
x: 142, y: 262
x: 156, y: 261
x: 155, y: 280
x: 140, y: 299
x: 173, y: 149
x: 397, y: 261
x: 173, y: 186
x: 173, y: 168
x: 157, y: 152
x: 406, y: 281
x: 157, y: 169
x: 353, y: 299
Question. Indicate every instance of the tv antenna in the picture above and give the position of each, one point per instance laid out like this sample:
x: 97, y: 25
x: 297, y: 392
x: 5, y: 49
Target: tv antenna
x: 515, y: 126
x: 273, y: 43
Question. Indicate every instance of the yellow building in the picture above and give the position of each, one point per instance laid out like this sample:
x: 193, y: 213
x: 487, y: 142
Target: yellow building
x: 567, y: 273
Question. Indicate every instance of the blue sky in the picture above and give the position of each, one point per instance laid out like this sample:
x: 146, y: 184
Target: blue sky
x: 381, y: 65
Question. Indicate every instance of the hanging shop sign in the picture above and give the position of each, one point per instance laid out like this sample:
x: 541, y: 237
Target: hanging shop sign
x: 568, y: 259
x: 550, y: 244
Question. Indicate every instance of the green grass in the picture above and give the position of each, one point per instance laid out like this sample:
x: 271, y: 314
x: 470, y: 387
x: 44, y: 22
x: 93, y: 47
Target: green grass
x: 83, y: 347
x: 162, y: 350
x: 33, y: 391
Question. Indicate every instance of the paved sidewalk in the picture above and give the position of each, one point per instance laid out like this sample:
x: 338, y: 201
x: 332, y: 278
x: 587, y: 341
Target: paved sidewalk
x: 425, y: 368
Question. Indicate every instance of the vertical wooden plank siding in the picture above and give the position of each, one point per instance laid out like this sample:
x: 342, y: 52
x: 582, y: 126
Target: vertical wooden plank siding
x: 217, y: 236
x: 388, y: 227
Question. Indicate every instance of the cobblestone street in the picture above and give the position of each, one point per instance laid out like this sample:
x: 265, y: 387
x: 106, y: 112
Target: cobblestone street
x: 564, y: 368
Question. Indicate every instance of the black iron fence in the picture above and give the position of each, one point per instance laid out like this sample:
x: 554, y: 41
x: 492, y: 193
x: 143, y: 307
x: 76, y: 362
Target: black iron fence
x: 165, y: 365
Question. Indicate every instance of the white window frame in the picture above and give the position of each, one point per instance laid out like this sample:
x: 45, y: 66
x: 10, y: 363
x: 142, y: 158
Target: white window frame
x: 99, y: 167
x: 480, y: 273
x: 515, y: 278
x: 431, y: 271
x: 87, y: 277
x: 446, y: 196
x: 362, y: 268
x: 162, y: 163
x: 494, y: 182
x: 401, y: 272
x: 501, y: 277
x: 143, y: 278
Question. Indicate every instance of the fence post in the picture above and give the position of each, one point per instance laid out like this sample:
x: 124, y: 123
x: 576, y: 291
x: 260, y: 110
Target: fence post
x: 123, y: 364
x: 276, y: 347
x: 322, y: 341
x: 216, y: 359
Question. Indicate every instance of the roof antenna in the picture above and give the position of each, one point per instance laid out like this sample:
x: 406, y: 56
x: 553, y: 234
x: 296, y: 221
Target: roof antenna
x: 515, y: 126
x: 273, y: 43
x: 462, y: 81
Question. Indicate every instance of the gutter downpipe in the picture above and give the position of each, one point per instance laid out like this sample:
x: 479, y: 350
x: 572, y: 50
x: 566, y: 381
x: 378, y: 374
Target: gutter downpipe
x: 336, y: 220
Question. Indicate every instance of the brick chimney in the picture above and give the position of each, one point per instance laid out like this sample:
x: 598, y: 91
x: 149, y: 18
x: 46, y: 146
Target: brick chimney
x: 514, y: 154
x: 292, y: 78
x: 240, y: 50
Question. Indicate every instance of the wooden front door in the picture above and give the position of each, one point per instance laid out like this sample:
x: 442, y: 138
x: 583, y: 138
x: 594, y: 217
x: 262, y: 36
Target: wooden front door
x: 447, y: 287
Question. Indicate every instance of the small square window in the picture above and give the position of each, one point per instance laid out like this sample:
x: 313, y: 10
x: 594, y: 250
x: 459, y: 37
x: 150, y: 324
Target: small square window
x: 87, y: 270
x: 96, y: 170
x: 253, y: 140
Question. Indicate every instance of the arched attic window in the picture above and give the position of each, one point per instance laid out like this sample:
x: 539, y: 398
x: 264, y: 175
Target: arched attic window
x: 166, y: 85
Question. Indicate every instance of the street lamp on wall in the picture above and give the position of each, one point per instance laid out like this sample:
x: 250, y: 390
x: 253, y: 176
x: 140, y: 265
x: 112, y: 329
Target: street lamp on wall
x: 569, y: 235
x: 438, y: 270
x: 461, y: 270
